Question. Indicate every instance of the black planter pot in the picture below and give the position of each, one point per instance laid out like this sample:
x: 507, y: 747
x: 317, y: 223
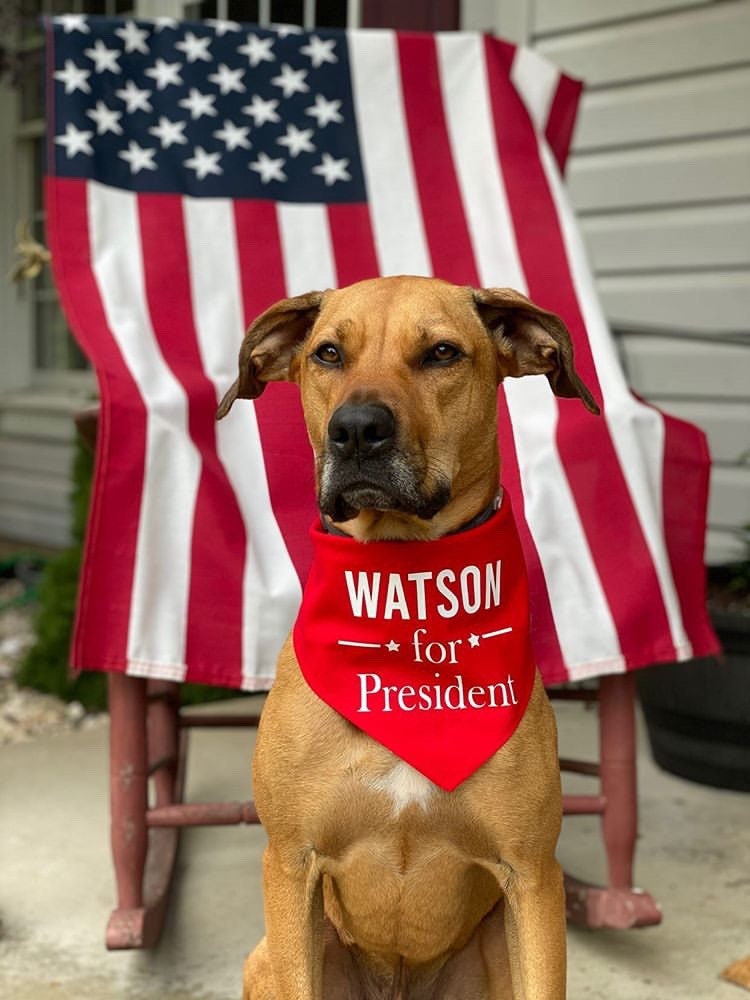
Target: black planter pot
x: 698, y: 713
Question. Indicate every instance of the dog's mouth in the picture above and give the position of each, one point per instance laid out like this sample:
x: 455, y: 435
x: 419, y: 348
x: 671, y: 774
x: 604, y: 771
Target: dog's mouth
x: 388, y: 485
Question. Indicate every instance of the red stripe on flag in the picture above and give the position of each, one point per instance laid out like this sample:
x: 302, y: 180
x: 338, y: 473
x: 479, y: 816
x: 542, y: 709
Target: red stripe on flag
x: 353, y: 243
x: 687, y: 465
x: 609, y: 518
x: 452, y: 256
x: 213, y: 646
x: 448, y: 238
x: 261, y: 263
x: 562, y: 118
x: 100, y: 638
x: 286, y: 448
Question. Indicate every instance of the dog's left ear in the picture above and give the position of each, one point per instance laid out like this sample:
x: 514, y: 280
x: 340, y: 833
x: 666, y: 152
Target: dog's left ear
x: 269, y: 346
x: 531, y: 341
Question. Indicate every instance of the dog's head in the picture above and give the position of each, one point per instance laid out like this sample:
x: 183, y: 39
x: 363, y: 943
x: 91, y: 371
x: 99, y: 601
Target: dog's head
x: 398, y: 378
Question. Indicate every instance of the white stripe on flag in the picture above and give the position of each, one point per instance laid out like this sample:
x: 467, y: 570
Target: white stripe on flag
x: 400, y: 240
x: 469, y: 120
x: 535, y: 78
x: 271, y: 590
x: 637, y: 431
x: 158, y: 613
x: 306, y: 248
x: 583, y: 620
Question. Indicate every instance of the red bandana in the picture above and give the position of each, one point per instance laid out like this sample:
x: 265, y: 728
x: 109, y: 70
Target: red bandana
x: 422, y: 645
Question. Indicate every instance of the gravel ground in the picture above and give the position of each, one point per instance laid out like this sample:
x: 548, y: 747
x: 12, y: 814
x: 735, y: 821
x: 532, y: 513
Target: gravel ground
x: 26, y: 714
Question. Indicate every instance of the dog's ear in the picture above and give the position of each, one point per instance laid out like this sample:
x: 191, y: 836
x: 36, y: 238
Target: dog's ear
x: 530, y: 341
x: 269, y: 346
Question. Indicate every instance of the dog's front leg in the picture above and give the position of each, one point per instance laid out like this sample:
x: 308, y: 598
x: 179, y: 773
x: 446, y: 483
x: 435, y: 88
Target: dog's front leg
x: 293, y: 895
x: 535, y: 931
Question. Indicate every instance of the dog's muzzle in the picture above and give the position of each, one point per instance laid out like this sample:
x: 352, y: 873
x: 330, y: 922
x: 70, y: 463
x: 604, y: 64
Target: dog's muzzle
x: 363, y: 468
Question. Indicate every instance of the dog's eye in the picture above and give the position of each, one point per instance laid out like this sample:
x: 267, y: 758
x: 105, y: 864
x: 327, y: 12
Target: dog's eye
x: 327, y: 354
x: 441, y: 354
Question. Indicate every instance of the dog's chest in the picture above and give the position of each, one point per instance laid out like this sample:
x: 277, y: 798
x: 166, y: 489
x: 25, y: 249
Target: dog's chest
x: 404, y: 787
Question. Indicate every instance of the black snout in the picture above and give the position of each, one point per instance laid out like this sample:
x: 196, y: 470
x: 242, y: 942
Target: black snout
x: 361, y: 429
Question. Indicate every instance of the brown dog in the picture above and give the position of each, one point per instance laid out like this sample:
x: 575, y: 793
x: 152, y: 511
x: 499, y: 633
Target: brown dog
x: 379, y: 884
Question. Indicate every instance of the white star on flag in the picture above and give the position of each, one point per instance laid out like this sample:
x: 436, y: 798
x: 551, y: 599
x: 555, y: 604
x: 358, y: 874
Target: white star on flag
x: 133, y: 37
x: 138, y: 158
x: 73, y: 22
x: 195, y: 48
x: 228, y: 80
x: 168, y: 133
x: 75, y: 141
x: 103, y: 58
x: 165, y: 73
x: 233, y: 135
x: 320, y: 51
x: 160, y: 23
x: 199, y: 104
x: 204, y: 163
x: 106, y: 119
x: 136, y: 100
x: 291, y: 81
x: 332, y: 170
x: 269, y: 170
x: 222, y: 27
x: 261, y: 111
x: 257, y: 50
x: 297, y: 140
x: 74, y: 77
x: 325, y: 111
x: 282, y: 30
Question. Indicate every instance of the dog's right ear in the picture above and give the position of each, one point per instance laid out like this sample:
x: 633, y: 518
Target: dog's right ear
x: 269, y: 346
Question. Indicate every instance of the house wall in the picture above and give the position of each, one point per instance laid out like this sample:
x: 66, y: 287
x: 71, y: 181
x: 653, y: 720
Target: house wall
x: 660, y: 179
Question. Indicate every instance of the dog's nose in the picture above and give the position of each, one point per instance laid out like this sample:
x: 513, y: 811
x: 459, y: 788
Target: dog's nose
x: 361, y: 428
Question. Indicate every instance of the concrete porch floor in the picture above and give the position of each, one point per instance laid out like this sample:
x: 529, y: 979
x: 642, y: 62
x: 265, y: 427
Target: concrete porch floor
x: 56, y: 886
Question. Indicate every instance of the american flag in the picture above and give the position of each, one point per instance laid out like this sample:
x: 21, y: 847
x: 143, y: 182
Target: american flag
x: 198, y: 173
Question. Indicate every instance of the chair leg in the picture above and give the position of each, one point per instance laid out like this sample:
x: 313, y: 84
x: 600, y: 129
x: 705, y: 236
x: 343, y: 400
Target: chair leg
x: 619, y: 905
x: 145, y: 739
x: 617, y: 770
x: 128, y: 802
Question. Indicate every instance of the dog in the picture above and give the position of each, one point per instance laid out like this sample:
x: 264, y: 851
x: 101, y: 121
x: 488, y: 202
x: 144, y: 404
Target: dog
x: 379, y: 884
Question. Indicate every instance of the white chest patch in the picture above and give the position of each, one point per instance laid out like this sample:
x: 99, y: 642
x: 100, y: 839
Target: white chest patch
x: 405, y: 786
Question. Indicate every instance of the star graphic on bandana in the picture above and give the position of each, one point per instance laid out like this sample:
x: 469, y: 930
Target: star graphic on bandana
x: 393, y: 646
x: 474, y: 640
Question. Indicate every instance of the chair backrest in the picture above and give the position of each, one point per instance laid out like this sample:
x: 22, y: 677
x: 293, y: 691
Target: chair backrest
x: 198, y: 174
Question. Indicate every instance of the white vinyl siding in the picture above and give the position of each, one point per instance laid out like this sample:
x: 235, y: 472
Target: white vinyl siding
x: 660, y: 179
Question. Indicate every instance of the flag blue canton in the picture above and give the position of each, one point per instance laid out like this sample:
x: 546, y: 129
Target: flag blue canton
x: 210, y: 109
